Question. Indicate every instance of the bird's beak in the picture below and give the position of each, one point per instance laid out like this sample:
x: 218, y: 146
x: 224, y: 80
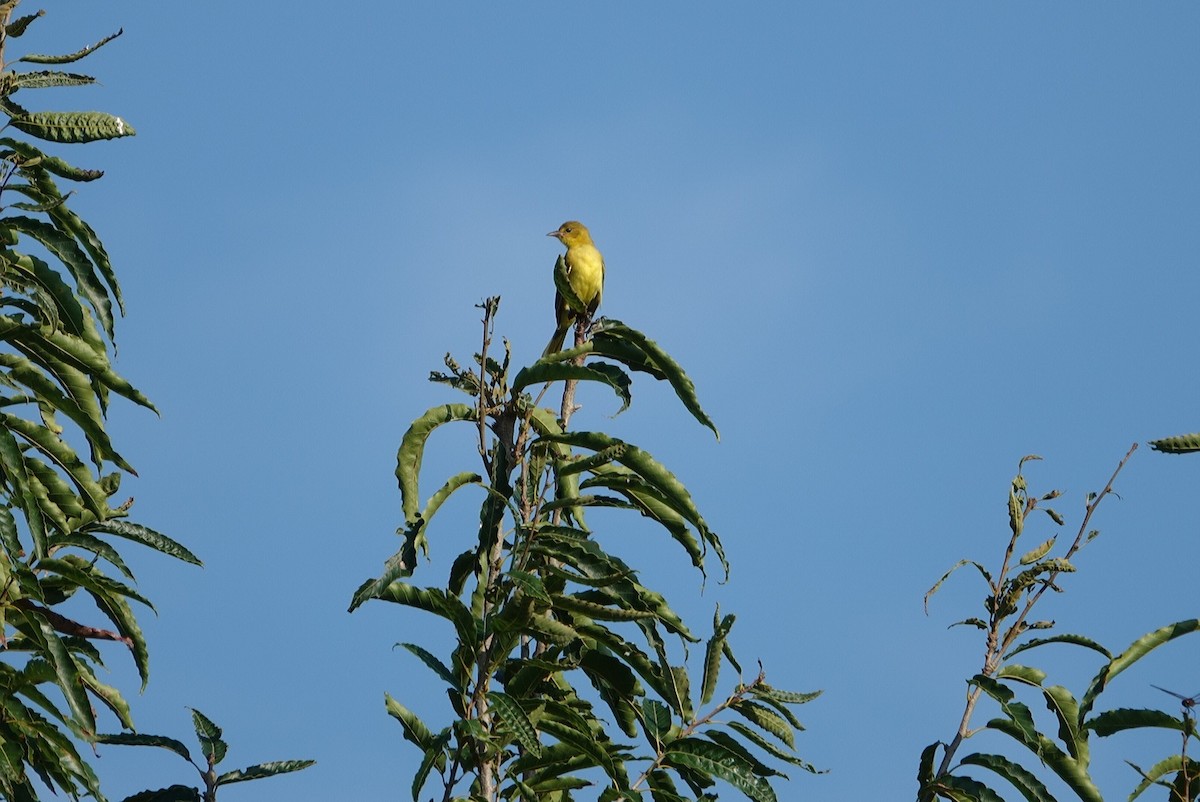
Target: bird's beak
x: 556, y: 233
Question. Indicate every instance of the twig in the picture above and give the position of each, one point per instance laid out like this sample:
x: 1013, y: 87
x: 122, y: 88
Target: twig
x: 997, y: 646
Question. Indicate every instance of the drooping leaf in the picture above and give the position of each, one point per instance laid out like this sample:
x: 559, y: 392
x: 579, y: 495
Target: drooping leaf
x: 433, y: 664
x: 144, y: 739
x: 1078, y: 640
x: 556, y: 370
x: 1136, y: 650
x: 767, y: 719
x: 614, y: 339
x: 412, y: 449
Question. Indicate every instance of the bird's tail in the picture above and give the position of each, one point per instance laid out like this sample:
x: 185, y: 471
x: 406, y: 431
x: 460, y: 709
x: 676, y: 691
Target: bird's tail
x: 556, y: 342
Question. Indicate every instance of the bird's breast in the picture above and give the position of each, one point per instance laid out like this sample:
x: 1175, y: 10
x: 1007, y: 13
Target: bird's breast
x: 586, y: 272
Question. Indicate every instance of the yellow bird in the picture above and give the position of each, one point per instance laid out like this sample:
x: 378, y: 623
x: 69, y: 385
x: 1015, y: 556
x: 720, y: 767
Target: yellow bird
x: 585, y: 273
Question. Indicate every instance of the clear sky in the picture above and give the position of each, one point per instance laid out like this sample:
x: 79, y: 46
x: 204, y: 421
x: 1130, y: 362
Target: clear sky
x: 896, y: 245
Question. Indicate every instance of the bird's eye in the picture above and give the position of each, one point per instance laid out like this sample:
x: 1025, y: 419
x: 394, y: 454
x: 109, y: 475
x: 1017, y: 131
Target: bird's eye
x: 567, y: 229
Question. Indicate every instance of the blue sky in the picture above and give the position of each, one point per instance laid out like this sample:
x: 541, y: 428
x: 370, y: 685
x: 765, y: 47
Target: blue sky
x: 897, y: 246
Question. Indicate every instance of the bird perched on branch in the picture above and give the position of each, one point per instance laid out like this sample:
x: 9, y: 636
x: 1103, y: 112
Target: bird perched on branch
x: 585, y: 275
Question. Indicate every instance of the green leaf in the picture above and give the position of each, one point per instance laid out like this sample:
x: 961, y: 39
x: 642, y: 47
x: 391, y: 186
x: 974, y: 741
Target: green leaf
x: 209, y: 734
x: 435, y: 755
x: 650, y: 502
x: 1169, y: 765
x: 965, y: 789
x: 925, y: 764
x: 665, y: 484
x: 617, y: 686
x: 1062, y: 704
x: 146, y: 537
x: 516, y: 721
x: 1077, y: 640
x: 76, y: 56
x: 1026, y: 674
x: 1180, y: 444
x: 18, y: 26
x: 987, y: 577
x: 66, y: 671
x: 1123, y: 718
x: 434, y: 664
x: 656, y: 719
x: 766, y: 718
x: 1136, y: 651
x: 434, y: 601
x: 531, y: 585
x: 65, y: 247
x: 412, y: 449
x: 108, y: 695
x: 549, y: 370
x: 415, y: 731
x: 712, y: 656
x: 771, y: 748
x: 616, y: 340
x: 143, y: 739
x: 175, y: 793
x: 1072, y: 772
x: 715, y: 760
x: 581, y: 740
x: 28, y: 152
x: 72, y: 127
x: 46, y: 78
x: 15, y: 469
x: 1025, y: 782
x: 1033, y: 555
x: 261, y: 770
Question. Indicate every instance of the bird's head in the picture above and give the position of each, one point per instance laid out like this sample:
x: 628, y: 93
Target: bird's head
x: 572, y: 233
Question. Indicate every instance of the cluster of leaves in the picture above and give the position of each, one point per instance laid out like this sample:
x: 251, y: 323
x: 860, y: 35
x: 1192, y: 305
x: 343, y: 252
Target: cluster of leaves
x: 214, y: 748
x: 549, y: 623
x: 1064, y: 748
x: 58, y: 291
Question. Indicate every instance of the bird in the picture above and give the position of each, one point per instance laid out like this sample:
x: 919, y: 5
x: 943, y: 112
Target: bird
x: 585, y: 274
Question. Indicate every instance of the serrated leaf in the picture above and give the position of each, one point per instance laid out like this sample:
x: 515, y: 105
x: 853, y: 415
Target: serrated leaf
x: 143, y: 739
x: 1033, y: 555
x: 415, y: 731
x: 614, y: 339
x: 146, y: 537
x: 766, y: 718
x: 965, y: 789
x: 551, y: 370
x: 514, y: 718
x: 209, y: 735
x: 38, y: 58
x: 72, y: 127
x: 656, y: 718
x: 412, y: 449
x: 433, y: 664
x: 1179, y: 444
x: 673, y: 492
x: 1136, y: 650
x: 262, y: 770
x: 714, y: 760
x: 936, y: 585
x: 1124, y: 718
x: 1024, y: 781
x: 712, y: 656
